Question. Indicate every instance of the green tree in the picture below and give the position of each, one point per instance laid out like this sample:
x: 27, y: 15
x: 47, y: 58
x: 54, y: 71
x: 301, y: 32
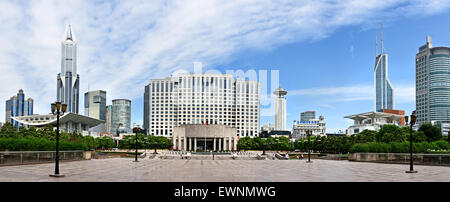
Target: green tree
x: 8, y: 130
x: 432, y: 133
x: 391, y: 133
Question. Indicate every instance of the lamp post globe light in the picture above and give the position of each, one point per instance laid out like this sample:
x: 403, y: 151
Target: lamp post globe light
x: 309, y: 133
x: 412, y: 122
x: 58, y: 109
x: 136, y: 130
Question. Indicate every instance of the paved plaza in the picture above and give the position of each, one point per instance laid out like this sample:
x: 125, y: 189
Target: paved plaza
x: 157, y: 170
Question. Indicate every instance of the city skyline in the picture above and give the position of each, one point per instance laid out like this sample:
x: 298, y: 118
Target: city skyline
x: 111, y: 60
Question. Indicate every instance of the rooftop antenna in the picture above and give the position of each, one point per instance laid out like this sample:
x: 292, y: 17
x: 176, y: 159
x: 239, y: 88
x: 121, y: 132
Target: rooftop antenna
x: 376, y: 42
x: 382, y: 50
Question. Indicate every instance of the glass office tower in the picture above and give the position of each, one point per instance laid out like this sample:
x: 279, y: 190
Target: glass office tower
x: 384, y: 93
x: 433, y: 84
x: 121, y: 116
x: 18, y: 106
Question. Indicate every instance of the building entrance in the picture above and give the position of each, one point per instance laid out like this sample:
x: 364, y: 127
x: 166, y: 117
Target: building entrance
x: 201, y: 144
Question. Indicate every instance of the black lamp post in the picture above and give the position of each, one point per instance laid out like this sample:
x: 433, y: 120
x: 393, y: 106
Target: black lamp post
x: 136, y: 130
x: 309, y: 133
x: 412, y: 122
x: 155, y: 145
x: 58, y: 109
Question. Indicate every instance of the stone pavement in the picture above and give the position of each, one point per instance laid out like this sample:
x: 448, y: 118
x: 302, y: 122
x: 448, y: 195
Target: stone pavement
x: 157, y: 170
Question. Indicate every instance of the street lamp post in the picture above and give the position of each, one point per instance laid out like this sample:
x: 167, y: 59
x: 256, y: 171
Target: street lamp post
x: 58, y: 109
x: 155, y: 145
x: 412, y: 122
x: 308, y: 133
x: 136, y: 130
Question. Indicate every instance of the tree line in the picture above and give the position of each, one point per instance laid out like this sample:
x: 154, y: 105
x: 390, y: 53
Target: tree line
x: 389, y: 138
x: 44, y: 139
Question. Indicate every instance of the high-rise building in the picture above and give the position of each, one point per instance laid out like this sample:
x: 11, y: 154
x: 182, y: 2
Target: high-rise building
x: 308, y: 115
x: 201, y: 99
x: 108, y: 110
x: 280, y: 109
x: 18, y: 106
x: 121, y: 116
x: 433, y: 84
x: 384, y: 93
x: 95, y: 104
x: 95, y: 107
x: 68, y: 81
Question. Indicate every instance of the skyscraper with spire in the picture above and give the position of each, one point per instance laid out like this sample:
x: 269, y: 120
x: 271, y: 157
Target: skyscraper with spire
x: 68, y: 81
x: 384, y: 93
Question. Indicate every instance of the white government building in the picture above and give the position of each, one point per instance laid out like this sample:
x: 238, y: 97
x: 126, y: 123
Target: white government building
x: 213, y: 99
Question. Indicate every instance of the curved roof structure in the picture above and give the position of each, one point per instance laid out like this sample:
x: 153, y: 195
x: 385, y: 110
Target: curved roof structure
x: 50, y: 119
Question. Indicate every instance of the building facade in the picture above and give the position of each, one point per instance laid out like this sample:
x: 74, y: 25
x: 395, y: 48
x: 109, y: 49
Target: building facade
x: 433, y: 84
x: 280, y: 109
x: 317, y: 126
x: 108, y: 112
x: 18, y: 106
x: 211, y: 137
x: 68, y: 81
x: 95, y: 104
x: 308, y: 115
x: 201, y: 99
x: 121, y: 116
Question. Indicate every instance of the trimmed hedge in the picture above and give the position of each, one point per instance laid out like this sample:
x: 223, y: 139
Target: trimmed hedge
x: 38, y: 144
x: 399, y: 147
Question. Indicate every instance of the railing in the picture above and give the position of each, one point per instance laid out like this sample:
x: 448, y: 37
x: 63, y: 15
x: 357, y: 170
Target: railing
x: 31, y: 157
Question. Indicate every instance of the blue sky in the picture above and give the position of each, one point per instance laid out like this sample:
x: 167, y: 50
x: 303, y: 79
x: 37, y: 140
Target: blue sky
x: 324, y: 50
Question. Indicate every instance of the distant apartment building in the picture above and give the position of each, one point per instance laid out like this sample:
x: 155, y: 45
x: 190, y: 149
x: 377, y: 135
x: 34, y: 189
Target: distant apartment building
x: 433, y: 84
x: 317, y: 126
x: 308, y: 115
x: 18, y: 106
x: 187, y: 99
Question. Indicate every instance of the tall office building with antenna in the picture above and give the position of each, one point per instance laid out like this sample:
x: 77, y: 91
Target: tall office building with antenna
x: 68, y: 81
x: 384, y: 93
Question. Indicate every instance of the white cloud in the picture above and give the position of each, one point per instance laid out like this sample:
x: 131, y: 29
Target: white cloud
x: 403, y: 93
x: 123, y: 44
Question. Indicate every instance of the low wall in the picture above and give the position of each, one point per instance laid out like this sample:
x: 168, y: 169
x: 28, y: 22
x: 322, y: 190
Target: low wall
x: 402, y: 158
x: 33, y: 157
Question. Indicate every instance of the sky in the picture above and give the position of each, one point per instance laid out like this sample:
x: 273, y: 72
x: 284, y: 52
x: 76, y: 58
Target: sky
x: 323, y: 51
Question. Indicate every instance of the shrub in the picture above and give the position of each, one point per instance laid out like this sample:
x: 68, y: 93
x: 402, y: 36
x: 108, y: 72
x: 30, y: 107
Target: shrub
x: 359, y: 148
x: 443, y: 145
x: 37, y: 144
